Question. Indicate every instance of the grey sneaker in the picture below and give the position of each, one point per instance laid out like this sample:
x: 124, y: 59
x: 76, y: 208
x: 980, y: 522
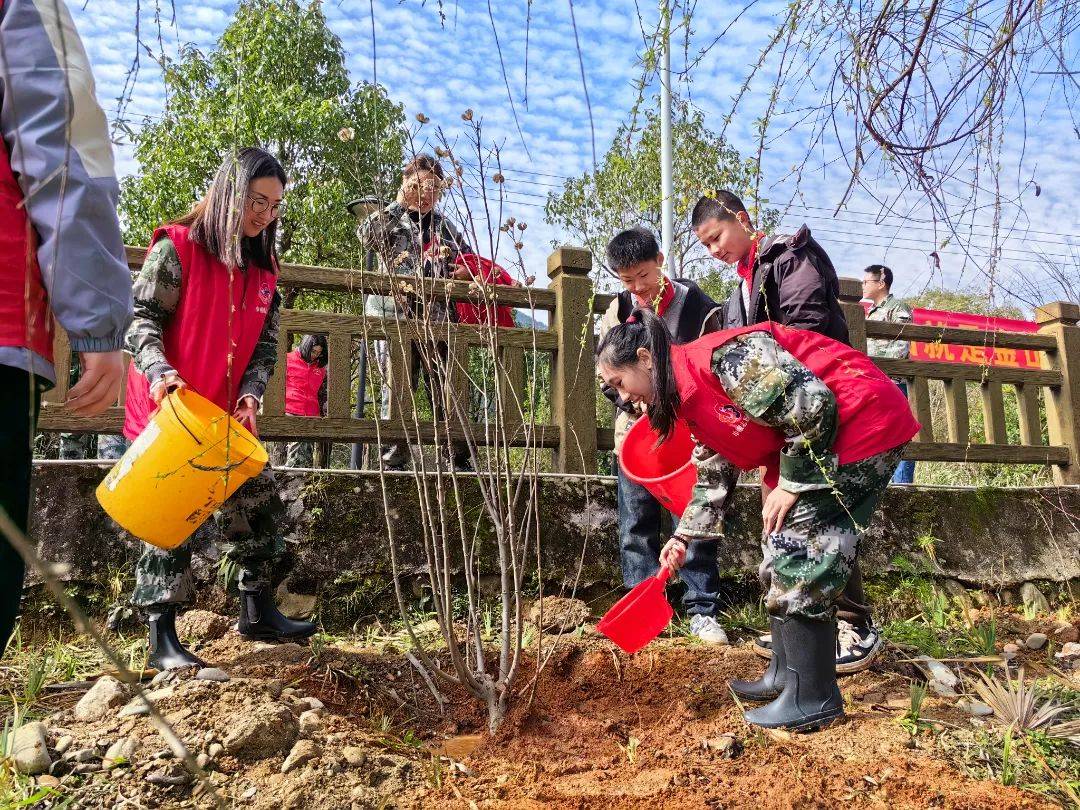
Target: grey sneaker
x: 856, y: 647
x: 708, y: 630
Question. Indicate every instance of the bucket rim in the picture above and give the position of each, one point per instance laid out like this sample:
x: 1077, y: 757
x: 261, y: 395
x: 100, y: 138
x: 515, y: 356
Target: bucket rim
x: 635, y: 430
x: 176, y: 402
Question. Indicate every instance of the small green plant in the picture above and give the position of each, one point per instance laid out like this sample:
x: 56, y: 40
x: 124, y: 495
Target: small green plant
x: 228, y: 574
x: 318, y: 645
x: 983, y: 637
x: 911, y: 720
x: 935, y: 610
x: 751, y: 616
x: 630, y: 749
x: 435, y: 772
x: 1023, y: 708
x: 927, y: 544
x: 528, y: 636
x: 35, y: 677
x: 914, y: 634
x: 1008, y: 769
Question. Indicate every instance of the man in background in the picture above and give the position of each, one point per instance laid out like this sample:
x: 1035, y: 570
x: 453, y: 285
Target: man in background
x: 877, y: 288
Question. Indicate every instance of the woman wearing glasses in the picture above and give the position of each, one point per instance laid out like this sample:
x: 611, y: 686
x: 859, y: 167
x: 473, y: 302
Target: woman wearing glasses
x: 206, y: 317
x: 410, y: 237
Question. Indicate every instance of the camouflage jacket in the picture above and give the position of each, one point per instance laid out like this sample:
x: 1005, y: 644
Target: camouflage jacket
x: 893, y: 310
x: 157, y: 295
x: 777, y: 390
x: 395, y: 240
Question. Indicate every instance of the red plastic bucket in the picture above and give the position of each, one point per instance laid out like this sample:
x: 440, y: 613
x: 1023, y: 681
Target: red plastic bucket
x: 666, y: 471
x: 640, y: 616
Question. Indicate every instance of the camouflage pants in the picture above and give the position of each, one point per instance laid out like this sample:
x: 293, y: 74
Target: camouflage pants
x: 81, y: 446
x: 300, y: 454
x: 807, y: 563
x: 250, y: 523
x: 77, y: 446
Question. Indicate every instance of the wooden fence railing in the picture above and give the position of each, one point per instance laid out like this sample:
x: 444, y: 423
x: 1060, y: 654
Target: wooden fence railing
x: 569, y: 340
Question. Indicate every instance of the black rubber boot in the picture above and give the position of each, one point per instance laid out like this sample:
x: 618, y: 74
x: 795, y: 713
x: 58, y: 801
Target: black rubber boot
x: 810, y: 699
x: 165, y: 650
x: 261, y: 619
x: 771, y: 683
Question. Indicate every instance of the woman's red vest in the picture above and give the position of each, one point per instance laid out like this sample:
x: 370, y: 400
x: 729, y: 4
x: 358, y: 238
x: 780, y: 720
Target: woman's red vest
x: 872, y: 413
x: 25, y: 317
x: 302, y: 383
x: 197, y: 337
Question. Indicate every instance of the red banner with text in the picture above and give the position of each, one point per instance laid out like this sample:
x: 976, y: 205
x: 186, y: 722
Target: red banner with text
x: 981, y: 353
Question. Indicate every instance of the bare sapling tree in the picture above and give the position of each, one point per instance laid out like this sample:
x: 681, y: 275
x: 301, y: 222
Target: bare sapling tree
x: 485, y: 418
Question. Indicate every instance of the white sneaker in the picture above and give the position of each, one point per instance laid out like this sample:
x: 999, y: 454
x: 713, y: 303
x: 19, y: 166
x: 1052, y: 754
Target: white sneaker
x: 708, y: 630
x: 856, y: 647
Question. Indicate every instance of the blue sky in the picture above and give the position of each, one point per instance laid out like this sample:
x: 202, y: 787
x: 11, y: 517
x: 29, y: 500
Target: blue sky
x: 442, y: 68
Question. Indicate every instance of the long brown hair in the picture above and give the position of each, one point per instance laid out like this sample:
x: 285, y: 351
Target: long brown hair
x: 216, y: 219
x: 618, y: 349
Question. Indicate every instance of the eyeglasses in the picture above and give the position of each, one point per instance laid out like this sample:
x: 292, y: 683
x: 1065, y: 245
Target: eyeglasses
x: 259, y: 204
x: 430, y: 184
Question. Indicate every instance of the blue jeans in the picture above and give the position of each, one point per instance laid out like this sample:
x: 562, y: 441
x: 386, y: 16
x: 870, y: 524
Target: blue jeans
x: 643, y: 527
x: 905, y: 471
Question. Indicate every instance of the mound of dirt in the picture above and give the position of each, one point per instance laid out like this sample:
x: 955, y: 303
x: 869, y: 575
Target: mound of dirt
x: 557, y: 614
x: 202, y: 625
x: 632, y: 731
x: 263, y: 744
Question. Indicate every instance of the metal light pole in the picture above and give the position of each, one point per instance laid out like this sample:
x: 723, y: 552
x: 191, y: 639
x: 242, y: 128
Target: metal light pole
x: 667, y: 183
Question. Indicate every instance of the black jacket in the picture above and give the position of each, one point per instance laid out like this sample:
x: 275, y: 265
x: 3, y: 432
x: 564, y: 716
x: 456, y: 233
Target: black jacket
x: 696, y: 310
x: 794, y: 284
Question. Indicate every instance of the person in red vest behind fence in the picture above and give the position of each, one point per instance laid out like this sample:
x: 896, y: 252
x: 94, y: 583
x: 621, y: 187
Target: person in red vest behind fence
x: 305, y: 392
x: 209, y: 283
x: 469, y: 266
x: 828, y: 427
x: 61, y: 253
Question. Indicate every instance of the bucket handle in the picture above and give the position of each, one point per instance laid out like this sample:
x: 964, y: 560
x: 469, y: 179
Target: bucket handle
x: 169, y: 399
x: 225, y: 469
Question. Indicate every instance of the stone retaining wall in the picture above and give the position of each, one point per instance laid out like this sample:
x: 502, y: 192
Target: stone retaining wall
x: 336, y: 530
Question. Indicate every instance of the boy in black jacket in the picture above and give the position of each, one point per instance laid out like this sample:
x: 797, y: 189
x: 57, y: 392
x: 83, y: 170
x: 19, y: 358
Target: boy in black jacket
x: 688, y: 314
x: 787, y: 279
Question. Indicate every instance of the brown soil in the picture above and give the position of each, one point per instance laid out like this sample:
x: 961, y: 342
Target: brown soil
x: 573, y: 746
x: 570, y: 748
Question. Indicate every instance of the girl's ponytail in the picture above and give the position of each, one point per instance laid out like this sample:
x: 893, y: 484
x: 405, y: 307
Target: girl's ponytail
x: 664, y: 408
x: 644, y: 330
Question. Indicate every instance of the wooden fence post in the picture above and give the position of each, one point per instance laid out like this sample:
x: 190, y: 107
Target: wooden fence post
x: 854, y: 314
x: 573, y: 375
x: 1060, y: 319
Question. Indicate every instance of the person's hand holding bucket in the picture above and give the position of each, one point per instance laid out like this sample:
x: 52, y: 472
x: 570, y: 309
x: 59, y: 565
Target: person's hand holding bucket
x: 168, y: 382
x: 245, y: 412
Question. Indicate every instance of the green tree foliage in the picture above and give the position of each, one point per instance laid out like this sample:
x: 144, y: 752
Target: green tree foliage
x: 964, y: 300
x: 625, y: 190
x: 276, y: 79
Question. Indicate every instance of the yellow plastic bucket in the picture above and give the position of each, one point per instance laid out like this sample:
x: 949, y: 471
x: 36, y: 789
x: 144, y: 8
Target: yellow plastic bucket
x: 187, y: 462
